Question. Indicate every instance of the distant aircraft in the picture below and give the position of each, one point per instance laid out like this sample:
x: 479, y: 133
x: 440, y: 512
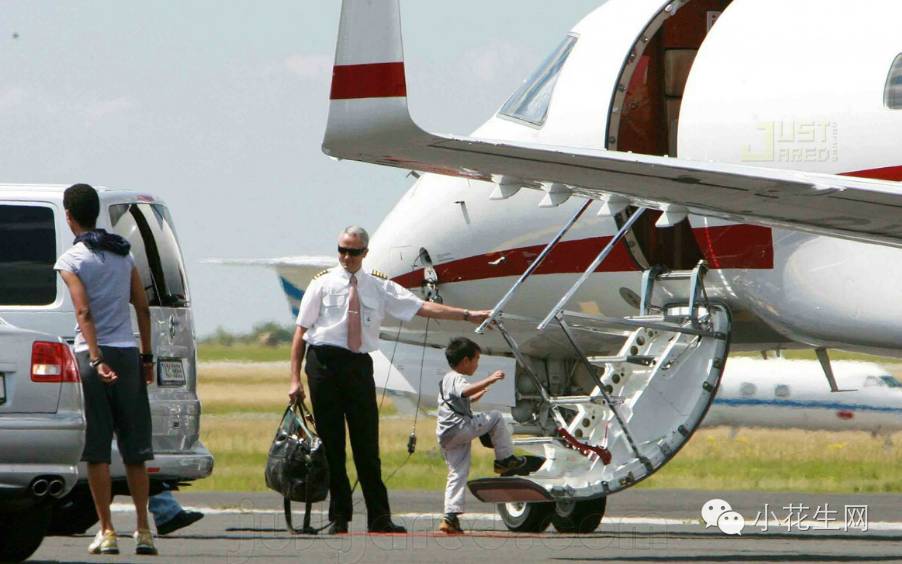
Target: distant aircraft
x: 782, y: 394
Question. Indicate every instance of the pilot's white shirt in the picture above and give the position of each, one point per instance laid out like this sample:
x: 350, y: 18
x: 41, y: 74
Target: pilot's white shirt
x: 324, y: 307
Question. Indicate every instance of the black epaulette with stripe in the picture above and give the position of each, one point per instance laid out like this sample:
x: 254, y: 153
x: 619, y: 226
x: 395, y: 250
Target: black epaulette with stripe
x: 323, y: 273
x: 379, y: 274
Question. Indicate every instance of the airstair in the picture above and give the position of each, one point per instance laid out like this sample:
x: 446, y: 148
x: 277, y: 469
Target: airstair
x: 645, y: 401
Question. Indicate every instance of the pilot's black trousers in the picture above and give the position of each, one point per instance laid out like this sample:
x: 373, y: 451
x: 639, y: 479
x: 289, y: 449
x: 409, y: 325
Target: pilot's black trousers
x: 342, y: 389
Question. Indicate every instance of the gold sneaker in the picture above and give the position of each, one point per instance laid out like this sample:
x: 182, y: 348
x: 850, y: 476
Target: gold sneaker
x: 450, y: 525
x: 144, y: 542
x: 104, y: 543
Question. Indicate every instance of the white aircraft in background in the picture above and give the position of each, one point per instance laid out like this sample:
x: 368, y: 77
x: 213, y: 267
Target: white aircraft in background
x: 773, y: 224
x: 790, y: 394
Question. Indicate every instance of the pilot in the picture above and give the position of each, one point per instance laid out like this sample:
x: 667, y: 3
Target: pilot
x: 337, y: 327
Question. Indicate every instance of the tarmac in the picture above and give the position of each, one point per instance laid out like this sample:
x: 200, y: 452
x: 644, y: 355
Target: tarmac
x: 640, y: 525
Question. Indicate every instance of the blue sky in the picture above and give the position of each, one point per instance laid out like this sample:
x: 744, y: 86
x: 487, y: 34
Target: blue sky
x: 219, y: 108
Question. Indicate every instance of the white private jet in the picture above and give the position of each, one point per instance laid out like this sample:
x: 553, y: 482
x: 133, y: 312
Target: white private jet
x: 620, y: 276
x: 790, y: 394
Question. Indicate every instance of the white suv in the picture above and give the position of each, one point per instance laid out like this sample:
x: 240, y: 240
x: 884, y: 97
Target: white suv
x: 33, y: 233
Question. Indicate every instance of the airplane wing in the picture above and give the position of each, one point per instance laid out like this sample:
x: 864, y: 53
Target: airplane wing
x: 302, y: 268
x: 295, y: 273
x: 369, y: 121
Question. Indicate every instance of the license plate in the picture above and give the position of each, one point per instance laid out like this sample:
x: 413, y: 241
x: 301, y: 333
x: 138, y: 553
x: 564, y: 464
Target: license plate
x: 171, y: 372
x: 2, y: 389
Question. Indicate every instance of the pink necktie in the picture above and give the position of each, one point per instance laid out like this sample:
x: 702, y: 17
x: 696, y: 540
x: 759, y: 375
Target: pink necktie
x: 353, y: 316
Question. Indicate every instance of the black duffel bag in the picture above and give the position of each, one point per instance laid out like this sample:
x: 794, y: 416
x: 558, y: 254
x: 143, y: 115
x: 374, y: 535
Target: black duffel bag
x: 296, y: 467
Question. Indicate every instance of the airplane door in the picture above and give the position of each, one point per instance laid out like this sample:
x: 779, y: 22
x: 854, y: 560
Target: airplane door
x: 645, y: 119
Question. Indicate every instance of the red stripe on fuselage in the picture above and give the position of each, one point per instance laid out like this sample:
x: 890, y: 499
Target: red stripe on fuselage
x: 886, y: 173
x: 378, y: 80
x: 737, y: 246
x: 728, y: 246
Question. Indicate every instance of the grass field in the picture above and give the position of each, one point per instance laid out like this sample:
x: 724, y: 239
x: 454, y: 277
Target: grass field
x: 242, y: 404
x: 208, y: 352
x: 255, y: 353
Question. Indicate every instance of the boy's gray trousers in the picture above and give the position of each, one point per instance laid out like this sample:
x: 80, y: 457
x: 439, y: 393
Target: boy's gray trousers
x: 455, y: 447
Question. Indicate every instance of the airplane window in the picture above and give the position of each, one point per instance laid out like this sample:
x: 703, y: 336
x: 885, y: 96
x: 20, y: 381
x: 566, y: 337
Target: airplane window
x: 891, y: 381
x: 893, y: 95
x: 781, y: 391
x: 871, y: 381
x: 747, y: 389
x: 530, y: 102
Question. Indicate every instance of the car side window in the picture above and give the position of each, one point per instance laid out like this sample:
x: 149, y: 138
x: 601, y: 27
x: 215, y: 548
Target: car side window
x: 148, y: 227
x: 27, y: 254
x: 892, y: 96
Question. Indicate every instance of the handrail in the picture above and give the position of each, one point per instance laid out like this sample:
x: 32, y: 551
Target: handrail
x: 532, y: 267
x: 592, y: 267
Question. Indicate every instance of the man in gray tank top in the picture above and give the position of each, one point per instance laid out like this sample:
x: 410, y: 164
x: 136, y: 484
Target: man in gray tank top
x: 102, y: 281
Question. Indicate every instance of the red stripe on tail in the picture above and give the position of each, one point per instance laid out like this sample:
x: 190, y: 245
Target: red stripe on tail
x: 378, y: 80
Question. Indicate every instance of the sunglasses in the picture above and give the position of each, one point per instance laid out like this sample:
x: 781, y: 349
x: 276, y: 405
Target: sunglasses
x: 351, y: 252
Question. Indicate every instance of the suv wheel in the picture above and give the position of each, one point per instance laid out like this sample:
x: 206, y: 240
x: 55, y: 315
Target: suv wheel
x: 23, y: 532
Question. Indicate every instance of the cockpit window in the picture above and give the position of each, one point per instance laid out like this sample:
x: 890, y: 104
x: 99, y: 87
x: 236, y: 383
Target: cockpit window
x: 530, y: 102
x: 892, y: 96
x: 872, y: 381
x: 891, y: 382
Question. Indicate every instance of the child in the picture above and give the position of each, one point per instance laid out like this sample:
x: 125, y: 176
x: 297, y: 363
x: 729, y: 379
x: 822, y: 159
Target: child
x: 457, y: 427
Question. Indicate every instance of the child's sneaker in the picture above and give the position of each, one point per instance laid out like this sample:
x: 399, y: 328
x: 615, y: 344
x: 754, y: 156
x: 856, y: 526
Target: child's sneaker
x: 104, y: 543
x: 450, y: 525
x: 510, y: 465
x: 144, y: 542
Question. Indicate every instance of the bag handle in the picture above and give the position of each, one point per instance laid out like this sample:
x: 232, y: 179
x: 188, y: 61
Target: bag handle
x: 302, y: 417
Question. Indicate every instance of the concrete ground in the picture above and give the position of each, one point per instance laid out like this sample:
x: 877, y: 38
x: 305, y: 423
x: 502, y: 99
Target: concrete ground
x: 640, y: 525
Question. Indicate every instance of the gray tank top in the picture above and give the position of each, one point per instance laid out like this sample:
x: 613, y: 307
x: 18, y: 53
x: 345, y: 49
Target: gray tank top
x: 107, y: 280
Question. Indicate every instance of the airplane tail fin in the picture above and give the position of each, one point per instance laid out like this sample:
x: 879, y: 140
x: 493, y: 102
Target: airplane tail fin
x: 368, y: 101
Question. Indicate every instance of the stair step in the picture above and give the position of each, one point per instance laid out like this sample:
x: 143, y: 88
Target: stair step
x: 574, y: 400
x: 675, y: 275
x: 534, y: 441
x: 506, y: 490
x: 644, y: 360
x: 656, y: 322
